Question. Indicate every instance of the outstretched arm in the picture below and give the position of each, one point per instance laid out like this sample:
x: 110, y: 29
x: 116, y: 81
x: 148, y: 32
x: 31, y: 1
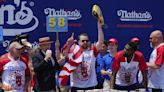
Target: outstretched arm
x: 152, y: 65
x: 100, y: 36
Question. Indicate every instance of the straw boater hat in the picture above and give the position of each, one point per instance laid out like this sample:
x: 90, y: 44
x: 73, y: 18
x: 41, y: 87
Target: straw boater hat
x: 44, y: 40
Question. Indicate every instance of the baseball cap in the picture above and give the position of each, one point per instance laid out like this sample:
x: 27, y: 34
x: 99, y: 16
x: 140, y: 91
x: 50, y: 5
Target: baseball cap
x: 113, y: 40
x: 26, y: 43
x: 16, y: 45
x: 135, y: 39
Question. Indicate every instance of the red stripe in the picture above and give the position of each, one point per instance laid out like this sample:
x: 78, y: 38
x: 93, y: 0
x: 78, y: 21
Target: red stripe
x: 73, y: 63
x: 70, y: 51
x: 66, y: 69
x: 64, y: 76
x: 80, y: 51
x: 64, y: 47
x: 95, y: 51
x: 63, y: 80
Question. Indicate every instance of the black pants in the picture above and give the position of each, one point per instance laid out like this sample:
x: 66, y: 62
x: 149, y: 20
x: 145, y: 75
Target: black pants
x: 74, y: 89
x: 128, y: 88
x: 99, y: 86
x: 156, y: 90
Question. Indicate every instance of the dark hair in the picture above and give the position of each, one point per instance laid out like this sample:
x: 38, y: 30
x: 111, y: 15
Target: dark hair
x: 83, y: 34
x: 133, y: 45
x: 106, y: 43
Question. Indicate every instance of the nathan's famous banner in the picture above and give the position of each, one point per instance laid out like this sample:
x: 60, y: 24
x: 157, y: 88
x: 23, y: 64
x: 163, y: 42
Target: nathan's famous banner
x: 125, y: 19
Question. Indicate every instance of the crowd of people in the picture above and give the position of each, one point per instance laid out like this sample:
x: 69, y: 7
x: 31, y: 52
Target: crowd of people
x: 83, y: 66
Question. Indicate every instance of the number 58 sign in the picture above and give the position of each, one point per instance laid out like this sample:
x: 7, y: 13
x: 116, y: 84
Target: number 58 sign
x: 57, y: 23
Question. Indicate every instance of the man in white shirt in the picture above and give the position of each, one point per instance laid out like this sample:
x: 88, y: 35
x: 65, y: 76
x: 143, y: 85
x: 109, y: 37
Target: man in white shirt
x: 155, y: 64
x: 83, y: 77
x: 14, y: 69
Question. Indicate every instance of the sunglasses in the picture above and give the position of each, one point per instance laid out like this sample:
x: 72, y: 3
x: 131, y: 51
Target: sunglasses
x: 84, y: 40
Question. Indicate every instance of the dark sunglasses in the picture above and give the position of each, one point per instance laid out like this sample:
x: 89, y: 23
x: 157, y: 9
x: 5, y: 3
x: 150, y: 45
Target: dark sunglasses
x: 84, y: 40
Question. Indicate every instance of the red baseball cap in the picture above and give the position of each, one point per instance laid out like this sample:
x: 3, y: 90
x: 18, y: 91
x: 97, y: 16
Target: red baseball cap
x: 113, y: 40
x: 135, y: 39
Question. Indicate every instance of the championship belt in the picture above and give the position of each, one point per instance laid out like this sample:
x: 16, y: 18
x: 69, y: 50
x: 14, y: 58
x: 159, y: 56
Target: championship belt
x: 96, y: 11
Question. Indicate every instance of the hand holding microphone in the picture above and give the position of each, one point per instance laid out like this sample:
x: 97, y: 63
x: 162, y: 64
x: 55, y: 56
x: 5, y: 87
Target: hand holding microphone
x: 48, y: 55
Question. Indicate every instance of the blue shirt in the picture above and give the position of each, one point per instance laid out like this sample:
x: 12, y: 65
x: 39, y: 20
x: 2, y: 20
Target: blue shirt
x: 103, y: 62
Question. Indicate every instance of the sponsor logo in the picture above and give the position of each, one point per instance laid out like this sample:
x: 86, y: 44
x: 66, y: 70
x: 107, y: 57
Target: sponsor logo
x: 14, y: 16
x: 72, y: 15
x: 134, y: 16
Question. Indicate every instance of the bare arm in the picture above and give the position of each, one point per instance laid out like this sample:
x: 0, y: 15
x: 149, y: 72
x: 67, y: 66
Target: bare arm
x: 27, y: 83
x: 113, y: 79
x: 100, y: 36
x: 152, y: 65
x: 103, y: 72
x: 145, y: 78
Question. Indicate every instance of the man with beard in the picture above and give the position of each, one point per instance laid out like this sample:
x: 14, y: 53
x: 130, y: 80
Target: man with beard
x: 83, y: 75
x: 155, y: 64
x: 125, y: 67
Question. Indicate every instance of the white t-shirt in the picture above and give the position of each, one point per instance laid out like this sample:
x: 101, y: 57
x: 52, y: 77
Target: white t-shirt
x: 85, y: 74
x: 127, y: 72
x: 156, y: 76
x: 13, y: 73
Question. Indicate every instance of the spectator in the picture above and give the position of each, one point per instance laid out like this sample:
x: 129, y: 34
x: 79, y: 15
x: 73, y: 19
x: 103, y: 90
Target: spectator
x: 101, y: 60
x: 112, y: 46
x: 107, y: 63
